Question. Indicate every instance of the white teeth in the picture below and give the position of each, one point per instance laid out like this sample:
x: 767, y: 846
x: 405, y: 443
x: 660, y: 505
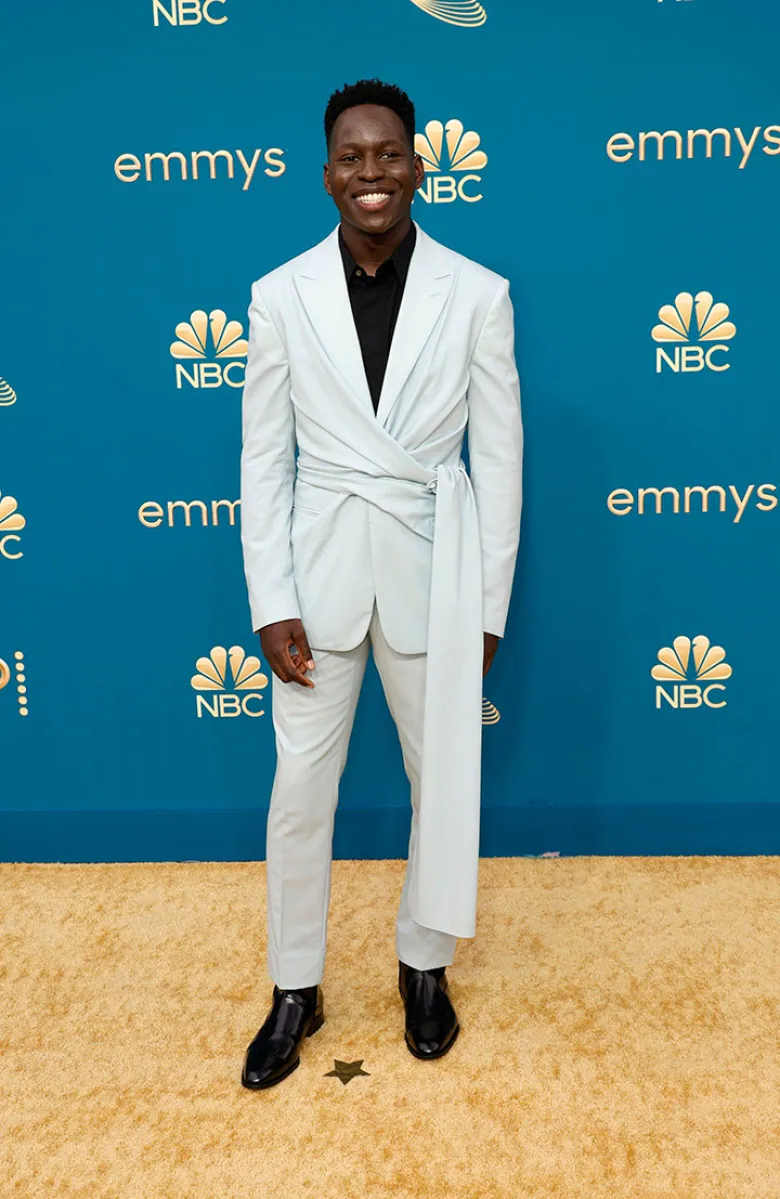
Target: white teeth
x: 373, y: 198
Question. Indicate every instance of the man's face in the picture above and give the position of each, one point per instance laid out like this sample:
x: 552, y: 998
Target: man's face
x: 372, y: 172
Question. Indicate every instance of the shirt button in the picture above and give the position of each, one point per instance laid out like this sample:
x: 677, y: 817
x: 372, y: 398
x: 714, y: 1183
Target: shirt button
x: 358, y: 271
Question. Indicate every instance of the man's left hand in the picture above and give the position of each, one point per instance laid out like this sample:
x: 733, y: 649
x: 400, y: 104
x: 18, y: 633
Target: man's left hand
x: 491, y: 645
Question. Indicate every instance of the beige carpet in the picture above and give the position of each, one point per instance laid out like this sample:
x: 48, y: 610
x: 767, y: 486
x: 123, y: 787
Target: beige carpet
x: 620, y: 1038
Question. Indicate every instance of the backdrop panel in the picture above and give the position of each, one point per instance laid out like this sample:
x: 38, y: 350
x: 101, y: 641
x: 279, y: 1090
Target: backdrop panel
x: 619, y: 162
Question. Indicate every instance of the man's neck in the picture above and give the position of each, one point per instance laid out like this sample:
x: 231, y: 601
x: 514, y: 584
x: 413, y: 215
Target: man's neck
x: 370, y: 251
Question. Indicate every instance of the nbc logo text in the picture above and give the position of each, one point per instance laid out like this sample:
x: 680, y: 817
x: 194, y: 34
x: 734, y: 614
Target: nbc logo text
x: 189, y: 12
x: 441, y: 185
x: 676, y: 330
x: 221, y: 699
x: 212, y: 336
x: 693, y: 674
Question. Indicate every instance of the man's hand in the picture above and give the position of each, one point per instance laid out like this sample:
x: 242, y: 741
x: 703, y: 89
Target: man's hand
x: 287, y: 652
x: 491, y: 645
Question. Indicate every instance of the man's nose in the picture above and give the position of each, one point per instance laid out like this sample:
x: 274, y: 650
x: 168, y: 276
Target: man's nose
x: 371, y: 168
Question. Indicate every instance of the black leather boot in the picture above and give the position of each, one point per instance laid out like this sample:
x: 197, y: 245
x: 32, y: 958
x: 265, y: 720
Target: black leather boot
x: 275, y: 1051
x: 431, y: 1023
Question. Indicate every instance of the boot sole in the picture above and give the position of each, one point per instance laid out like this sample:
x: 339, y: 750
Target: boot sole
x: 316, y: 1025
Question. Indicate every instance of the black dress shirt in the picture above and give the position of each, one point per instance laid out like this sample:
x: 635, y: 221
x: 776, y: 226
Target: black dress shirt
x: 375, y: 303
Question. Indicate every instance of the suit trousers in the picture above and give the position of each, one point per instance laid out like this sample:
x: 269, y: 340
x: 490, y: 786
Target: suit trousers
x: 313, y: 728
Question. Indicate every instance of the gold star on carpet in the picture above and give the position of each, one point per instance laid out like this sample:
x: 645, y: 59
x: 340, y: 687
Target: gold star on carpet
x: 345, y: 1071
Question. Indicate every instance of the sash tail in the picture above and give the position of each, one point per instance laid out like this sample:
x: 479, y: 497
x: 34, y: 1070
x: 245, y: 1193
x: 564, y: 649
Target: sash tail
x: 443, y: 887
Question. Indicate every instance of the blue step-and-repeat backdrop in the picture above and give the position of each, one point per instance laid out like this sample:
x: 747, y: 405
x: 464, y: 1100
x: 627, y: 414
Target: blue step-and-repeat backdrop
x: 619, y: 161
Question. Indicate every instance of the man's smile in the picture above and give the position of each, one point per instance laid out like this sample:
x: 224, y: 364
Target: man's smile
x: 374, y: 200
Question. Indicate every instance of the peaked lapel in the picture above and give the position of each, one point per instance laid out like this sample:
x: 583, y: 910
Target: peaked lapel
x: 427, y: 286
x: 322, y: 289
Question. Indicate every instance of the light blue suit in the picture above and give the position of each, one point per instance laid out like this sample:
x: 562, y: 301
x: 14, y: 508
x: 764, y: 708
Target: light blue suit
x: 379, y: 521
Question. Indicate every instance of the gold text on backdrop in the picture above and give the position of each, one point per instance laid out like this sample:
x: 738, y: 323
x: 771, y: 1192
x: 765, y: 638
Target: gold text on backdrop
x: 245, y: 676
x: 682, y: 501
x: 212, y: 336
x: 441, y: 156
x: 190, y: 165
x: 213, y: 513
x: 676, y: 665
x: 678, y: 330
x: 694, y: 143
x: 189, y: 12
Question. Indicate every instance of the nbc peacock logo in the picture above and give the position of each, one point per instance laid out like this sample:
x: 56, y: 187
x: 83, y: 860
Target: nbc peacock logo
x: 468, y: 13
x: 221, y: 689
x: 490, y: 713
x: 11, y: 524
x: 203, y: 339
x: 694, y: 672
x: 678, y: 330
x: 7, y: 394
x: 451, y: 157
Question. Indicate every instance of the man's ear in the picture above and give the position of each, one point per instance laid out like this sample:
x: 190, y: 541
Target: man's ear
x: 419, y: 170
x: 326, y: 179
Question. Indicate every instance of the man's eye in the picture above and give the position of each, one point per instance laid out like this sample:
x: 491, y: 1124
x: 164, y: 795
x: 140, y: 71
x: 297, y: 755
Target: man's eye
x: 348, y: 157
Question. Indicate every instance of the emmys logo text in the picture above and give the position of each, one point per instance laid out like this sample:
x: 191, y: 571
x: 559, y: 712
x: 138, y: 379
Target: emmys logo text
x: 218, y: 687
x: 214, y: 337
x: 682, y: 501
x: 198, y: 164
x: 678, y: 330
x: 179, y: 513
x: 450, y: 157
x: 694, y: 143
x: 692, y: 673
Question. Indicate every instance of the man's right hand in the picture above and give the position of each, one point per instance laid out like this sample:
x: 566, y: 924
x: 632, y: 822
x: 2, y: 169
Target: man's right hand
x: 287, y: 652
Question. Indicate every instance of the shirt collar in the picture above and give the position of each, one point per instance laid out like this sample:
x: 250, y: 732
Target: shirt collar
x: 400, y: 258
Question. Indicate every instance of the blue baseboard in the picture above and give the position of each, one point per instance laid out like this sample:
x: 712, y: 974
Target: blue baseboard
x: 239, y: 835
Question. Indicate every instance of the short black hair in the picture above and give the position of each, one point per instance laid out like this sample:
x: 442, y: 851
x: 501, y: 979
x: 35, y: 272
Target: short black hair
x: 370, y: 91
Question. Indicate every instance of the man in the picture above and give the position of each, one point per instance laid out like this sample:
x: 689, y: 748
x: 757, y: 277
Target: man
x: 372, y: 352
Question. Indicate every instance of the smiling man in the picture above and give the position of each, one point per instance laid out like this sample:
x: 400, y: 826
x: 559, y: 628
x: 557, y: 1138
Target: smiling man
x: 372, y: 354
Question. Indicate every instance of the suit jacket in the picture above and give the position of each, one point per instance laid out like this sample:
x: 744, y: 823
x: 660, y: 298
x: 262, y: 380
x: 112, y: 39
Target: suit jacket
x: 326, y: 537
